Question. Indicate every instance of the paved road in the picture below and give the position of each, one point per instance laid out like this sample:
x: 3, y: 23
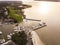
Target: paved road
x: 9, y: 43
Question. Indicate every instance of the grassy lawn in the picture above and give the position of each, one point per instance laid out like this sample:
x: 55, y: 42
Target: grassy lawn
x: 14, y: 15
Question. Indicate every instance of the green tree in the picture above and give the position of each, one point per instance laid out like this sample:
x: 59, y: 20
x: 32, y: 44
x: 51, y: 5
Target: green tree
x: 20, y: 38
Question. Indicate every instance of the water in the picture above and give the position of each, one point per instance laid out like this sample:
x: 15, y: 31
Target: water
x: 48, y: 12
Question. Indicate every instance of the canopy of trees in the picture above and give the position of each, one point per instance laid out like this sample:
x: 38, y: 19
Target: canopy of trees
x: 20, y: 38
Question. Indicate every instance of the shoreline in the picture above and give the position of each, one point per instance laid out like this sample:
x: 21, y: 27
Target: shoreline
x: 35, y: 38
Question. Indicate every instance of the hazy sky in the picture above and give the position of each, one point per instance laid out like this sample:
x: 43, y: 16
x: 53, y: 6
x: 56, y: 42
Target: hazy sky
x: 47, y: 0
x: 19, y: 0
x: 30, y: 0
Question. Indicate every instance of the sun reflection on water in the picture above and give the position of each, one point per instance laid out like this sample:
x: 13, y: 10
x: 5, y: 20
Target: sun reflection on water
x: 44, y: 7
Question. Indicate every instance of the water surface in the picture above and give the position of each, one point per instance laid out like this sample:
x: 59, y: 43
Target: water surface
x: 48, y: 12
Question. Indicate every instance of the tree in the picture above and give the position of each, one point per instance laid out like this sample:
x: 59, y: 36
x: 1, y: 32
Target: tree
x: 20, y: 38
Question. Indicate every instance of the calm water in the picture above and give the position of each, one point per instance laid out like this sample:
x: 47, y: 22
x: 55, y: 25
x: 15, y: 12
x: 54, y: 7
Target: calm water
x: 48, y: 12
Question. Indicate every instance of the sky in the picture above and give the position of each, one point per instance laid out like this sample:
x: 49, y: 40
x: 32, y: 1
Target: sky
x: 24, y: 1
x: 47, y: 0
x: 31, y: 0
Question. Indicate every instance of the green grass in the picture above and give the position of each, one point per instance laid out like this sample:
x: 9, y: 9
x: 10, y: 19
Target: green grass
x: 15, y: 16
